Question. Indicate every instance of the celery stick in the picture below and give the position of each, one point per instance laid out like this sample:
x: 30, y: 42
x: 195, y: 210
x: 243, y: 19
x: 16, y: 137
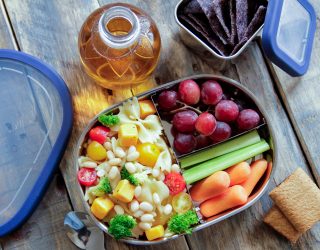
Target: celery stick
x: 221, y: 149
x: 222, y: 162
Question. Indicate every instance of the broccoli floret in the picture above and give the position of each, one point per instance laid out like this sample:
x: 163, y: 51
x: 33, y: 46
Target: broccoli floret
x: 141, y: 177
x: 102, y: 188
x: 109, y: 120
x: 121, y: 225
x: 181, y: 223
x: 126, y: 175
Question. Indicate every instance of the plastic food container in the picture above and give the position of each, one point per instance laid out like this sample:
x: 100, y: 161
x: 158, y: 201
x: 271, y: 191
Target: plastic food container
x: 36, y: 120
x: 265, y: 128
x: 287, y: 36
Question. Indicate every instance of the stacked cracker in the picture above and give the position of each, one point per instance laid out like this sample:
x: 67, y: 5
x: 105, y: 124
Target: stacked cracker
x: 225, y: 25
x: 297, y: 206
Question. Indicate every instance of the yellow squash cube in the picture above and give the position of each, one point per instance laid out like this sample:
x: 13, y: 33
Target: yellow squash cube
x: 128, y: 135
x: 146, y: 108
x: 124, y: 191
x: 155, y: 232
x: 101, y: 206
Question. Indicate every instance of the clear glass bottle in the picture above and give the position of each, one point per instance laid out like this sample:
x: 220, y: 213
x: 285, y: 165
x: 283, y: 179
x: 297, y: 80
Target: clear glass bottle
x: 119, y: 46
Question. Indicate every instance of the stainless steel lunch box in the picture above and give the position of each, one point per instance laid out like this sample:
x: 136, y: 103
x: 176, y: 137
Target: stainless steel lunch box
x: 256, y: 197
x: 206, y: 53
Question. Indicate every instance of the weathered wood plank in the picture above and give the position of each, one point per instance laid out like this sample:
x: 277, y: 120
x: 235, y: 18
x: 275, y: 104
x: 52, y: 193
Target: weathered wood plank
x: 301, y: 98
x: 44, y: 229
x: 7, y: 40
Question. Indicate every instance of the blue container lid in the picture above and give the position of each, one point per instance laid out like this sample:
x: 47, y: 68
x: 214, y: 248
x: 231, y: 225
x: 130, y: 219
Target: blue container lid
x: 288, y: 34
x: 35, y: 123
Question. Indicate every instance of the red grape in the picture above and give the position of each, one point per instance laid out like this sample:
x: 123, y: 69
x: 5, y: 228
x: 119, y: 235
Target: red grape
x: 202, y: 141
x: 184, y: 143
x: 248, y: 119
x: 211, y: 92
x: 185, y: 121
x: 226, y: 111
x: 189, y: 92
x: 168, y: 100
x: 222, y: 132
x: 206, y: 123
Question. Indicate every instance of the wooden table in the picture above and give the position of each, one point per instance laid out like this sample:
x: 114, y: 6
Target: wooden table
x: 49, y: 30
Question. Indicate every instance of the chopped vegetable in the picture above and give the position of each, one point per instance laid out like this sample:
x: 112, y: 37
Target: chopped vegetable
x: 121, y: 226
x: 222, y: 162
x: 148, y: 154
x: 175, y: 183
x: 101, y: 206
x: 146, y: 108
x: 102, y: 188
x: 109, y: 120
x: 155, y: 232
x: 221, y: 149
x: 125, y: 175
x: 181, y: 203
x: 96, y: 151
x: 182, y: 223
x: 99, y: 134
x: 124, y: 191
x: 87, y: 176
x: 128, y: 134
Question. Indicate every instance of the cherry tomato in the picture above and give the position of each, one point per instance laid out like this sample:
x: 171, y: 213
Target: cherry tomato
x: 96, y: 151
x: 149, y: 154
x: 99, y: 134
x: 87, y: 176
x: 181, y: 203
x: 175, y: 183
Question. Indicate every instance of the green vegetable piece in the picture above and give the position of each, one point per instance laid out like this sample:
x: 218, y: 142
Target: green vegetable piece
x: 207, y: 168
x: 126, y: 175
x: 121, y: 226
x: 221, y: 149
x: 109, y: 120
x: 181, y: 223
x: 102, y: 188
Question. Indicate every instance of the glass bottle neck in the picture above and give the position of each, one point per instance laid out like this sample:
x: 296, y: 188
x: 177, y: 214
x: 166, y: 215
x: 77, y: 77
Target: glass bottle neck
x: 119, y: 27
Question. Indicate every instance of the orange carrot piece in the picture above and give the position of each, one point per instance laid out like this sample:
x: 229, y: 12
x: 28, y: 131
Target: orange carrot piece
x: 238, y: 173
x: 211, y: 186
x: 233, y: 197
x: 258, y: 168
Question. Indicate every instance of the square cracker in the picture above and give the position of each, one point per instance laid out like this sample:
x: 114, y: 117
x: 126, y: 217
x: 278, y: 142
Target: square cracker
x: 298, y: 198
x: 276, y: 219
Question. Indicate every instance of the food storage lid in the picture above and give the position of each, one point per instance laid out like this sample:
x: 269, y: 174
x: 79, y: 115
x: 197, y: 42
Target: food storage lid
x: 35, y: 123
x: 288, y: 34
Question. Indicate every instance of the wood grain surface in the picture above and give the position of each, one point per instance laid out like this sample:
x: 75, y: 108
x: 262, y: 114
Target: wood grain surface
x: 301, y: 98
x: 49, y: 29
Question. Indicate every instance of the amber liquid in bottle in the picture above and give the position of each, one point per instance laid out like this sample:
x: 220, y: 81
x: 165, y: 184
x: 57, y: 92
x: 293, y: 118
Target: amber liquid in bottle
x: 119, y: 46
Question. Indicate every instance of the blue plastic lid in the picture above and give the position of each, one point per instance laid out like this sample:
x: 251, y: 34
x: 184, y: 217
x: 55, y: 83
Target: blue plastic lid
x: 35, y: 123
x: 288, y: 34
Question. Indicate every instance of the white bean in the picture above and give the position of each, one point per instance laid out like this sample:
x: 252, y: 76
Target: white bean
x: 118, y: 209
x: 167, y: 209
x: 139, y: 166
x: 175, y: 168
x: 83, y: 159
x: 146, y: 206
x: 146, y: 218
x: 132, y: 149
x: 88, y: 164
x: 101, y: 172
x: 156, y: 198
x: 120, y: 152
x: 133, y: 156
x: 134, y: 206
x: 110, y: 154
x: 113, y: 172
x: 115, y: 162
x: 130, y: 167
x: 137, y: 191
x: 155, y: 172
x: 144, y: 225
x: 138, y: 213
x: 107, y: 145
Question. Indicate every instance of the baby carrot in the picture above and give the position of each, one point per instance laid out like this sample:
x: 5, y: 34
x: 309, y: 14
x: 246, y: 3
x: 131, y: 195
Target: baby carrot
x: 238, y: 173
x: 257, y: 170
x: 234, y: 196
x: 211, y: 186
